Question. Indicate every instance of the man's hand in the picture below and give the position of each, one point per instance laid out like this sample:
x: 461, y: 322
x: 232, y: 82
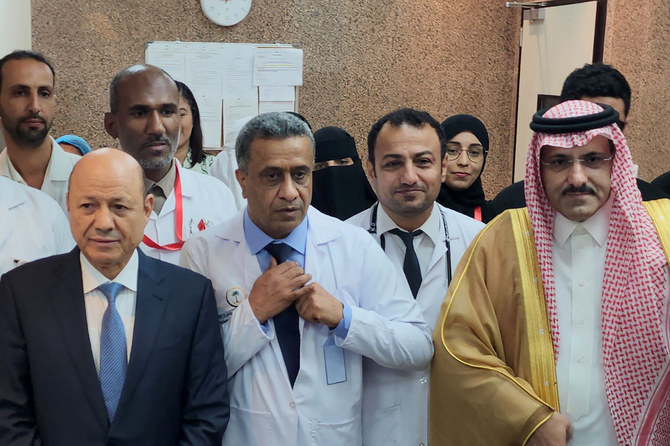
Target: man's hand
x: 317, y: 305
x: 277, y: 288
x: 556, y: 431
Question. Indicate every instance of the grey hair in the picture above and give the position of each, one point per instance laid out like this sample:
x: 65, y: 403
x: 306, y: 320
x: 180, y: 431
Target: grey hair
x: 277, y: 125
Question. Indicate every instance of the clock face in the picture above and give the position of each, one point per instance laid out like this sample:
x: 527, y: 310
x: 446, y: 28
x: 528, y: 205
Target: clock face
x: 226, y: 12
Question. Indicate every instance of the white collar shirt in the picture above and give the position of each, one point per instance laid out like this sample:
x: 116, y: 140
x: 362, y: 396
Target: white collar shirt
x: 56, y: 176
x: 579, y: 265
x: 424, y: 243
x: 96, y: 302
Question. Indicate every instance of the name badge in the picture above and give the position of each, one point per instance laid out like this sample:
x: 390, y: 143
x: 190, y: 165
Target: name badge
x: 333, y: 357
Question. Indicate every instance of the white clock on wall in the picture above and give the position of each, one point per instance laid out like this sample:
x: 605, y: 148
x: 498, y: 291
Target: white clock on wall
x: 225, y: 12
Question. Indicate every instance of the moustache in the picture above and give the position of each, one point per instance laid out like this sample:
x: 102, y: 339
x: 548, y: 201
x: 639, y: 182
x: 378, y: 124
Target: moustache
x: 410, y: 188
x: 583, y: 189
x: 34, y: 116
x: 153, y: 139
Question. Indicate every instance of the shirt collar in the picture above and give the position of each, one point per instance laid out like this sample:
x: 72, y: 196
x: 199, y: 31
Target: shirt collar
x: 14, y: 174
x: 596, y: 226
x: 59, y: 168
x: 257, y: 239
x: 166, y: 183
x: 92, y: 278
x: 430, y: 227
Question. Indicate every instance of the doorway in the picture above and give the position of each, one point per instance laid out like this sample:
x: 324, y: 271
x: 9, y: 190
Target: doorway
x: 556, y: 38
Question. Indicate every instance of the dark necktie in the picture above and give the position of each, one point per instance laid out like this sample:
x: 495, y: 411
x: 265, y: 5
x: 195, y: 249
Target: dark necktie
x: 113, y: 359
x: 411, y: 263
x: 286, y: 322
x: 159, y: 198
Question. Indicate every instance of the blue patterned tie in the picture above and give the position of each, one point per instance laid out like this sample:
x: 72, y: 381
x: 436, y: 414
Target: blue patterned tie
x: 113, y: 358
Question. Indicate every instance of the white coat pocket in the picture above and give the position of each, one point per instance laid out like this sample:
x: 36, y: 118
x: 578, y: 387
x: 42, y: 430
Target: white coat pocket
x: 251, y: 428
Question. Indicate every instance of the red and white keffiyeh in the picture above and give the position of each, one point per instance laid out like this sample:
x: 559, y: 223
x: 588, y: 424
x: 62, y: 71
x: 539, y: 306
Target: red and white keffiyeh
x: 634, y: 300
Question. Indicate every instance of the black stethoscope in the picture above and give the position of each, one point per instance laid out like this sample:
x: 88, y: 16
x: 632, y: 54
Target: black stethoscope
x: 382, y: 241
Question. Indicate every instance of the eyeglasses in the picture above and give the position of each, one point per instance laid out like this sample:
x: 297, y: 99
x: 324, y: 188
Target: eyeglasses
x: 475, y: 152
x: 592, y: 161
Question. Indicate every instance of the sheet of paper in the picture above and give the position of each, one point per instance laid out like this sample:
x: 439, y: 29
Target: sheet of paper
x: 203, y: 77
x: 236, y: 108
x: 237, y: 63
x: 210, y: 120
x: 203, y: 73
x: 277, y: 66
x: 270, y: 93
x: 275, y: 106
x: 164, y: 56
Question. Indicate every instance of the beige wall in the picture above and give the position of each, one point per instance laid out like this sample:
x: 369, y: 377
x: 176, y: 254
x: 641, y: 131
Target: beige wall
x: 362, y: 59
x: 638, y: 43
x: 14, y: 31
x: 14, y: 26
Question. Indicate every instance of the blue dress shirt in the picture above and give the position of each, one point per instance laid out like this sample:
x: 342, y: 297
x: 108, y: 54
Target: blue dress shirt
x: 257, y: 240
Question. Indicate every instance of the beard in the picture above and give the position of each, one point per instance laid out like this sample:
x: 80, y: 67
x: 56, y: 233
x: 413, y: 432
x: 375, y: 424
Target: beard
x: 155, y: 164
x: 27, y: 137
x: 159, y: 163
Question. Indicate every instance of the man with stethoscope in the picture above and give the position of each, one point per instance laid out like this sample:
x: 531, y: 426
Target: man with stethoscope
x: 144, y: 116
x: 425, y: 241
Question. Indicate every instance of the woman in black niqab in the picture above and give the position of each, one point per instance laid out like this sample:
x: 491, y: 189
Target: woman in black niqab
x: 340, y: 187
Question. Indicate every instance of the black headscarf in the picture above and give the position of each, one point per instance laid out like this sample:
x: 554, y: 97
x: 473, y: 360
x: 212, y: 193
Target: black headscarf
x: 341, y: 191
x: 465, y: 201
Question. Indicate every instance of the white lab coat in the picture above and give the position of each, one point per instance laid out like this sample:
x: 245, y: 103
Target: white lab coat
x: 395, y: 401
x: 32, y: 226
x: 56, y: 177
x: 386, y: 325
x: 205, y: 199
x: 224, y: 168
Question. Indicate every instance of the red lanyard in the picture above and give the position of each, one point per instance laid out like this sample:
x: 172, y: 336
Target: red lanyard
x: 478, y: 213
x: 179, y: 220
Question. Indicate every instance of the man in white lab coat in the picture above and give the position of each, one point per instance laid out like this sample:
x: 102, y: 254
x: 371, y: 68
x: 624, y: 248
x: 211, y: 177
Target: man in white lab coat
x: 144, y: 116
x: 225, y: 163
x: 302, y: 298
x: 406, y: 161
x: 32, y: 226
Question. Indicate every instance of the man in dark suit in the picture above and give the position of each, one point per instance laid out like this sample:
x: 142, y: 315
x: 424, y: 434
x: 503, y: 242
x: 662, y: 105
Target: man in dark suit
x: 105, y: 345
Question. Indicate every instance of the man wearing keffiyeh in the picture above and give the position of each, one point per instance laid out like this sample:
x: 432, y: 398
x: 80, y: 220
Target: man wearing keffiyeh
x: 556, y: 327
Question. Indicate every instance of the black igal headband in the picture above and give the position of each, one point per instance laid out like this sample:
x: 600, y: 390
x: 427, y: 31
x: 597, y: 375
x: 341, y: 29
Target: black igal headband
x: 574, y: 123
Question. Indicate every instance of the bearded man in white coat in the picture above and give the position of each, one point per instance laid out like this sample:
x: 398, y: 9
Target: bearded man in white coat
x: 302, y: 298
x: 406, y: 161
x: 144, y: 116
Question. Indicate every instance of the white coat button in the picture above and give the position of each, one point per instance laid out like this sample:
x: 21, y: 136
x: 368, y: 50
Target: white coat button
x: 582, y: 283
x: 292, y: 405
x: 581, y: 359
x: 421, y: 444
